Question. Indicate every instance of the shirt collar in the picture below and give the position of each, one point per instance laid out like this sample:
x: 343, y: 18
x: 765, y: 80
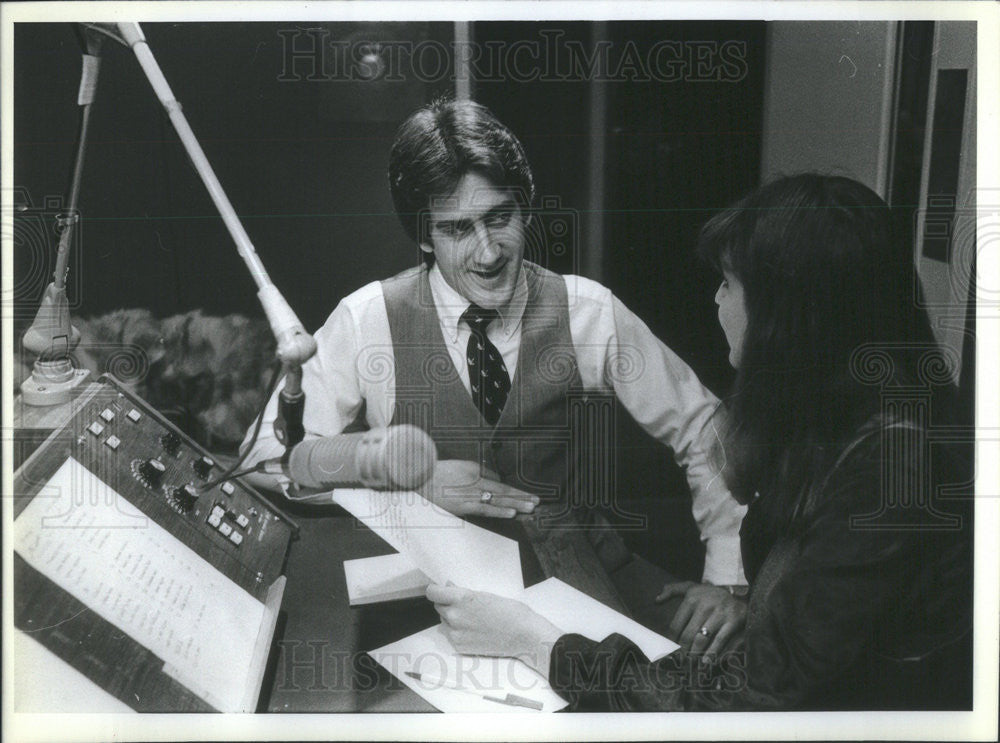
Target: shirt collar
x: 450, y: 305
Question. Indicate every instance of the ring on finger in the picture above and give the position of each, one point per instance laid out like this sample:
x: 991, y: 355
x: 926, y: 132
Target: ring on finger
x: 486, y: 497
x: 704, y: 632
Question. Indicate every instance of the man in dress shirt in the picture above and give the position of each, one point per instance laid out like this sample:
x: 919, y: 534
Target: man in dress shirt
x: 401, y: 350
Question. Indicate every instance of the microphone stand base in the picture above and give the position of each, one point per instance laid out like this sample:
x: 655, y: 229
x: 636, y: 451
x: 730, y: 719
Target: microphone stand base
x: 52, y: 383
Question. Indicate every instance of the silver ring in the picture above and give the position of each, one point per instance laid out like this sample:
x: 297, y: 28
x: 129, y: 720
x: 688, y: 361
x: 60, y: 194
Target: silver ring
x: 486, y: 497
x: 704, y: 632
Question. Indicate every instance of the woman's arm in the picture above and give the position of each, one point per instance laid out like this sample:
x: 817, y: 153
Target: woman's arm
x: 612, y: 674
x: 828, y: 601
x: 823, y: 602
x: 480, y: 623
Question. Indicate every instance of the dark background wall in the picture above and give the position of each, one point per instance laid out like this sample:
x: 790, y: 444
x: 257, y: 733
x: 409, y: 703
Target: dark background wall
x: 305, y: 171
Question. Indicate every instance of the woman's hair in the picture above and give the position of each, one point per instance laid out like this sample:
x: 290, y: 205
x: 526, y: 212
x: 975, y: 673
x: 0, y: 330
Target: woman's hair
x: 440, y: 143
x: 829, y: 292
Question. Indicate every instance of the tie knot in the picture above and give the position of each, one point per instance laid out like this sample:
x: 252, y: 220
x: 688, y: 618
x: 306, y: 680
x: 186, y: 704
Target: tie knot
x: 478, y: 318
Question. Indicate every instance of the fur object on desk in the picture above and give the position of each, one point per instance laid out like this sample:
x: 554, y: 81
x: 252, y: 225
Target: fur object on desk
x: 206, y: 374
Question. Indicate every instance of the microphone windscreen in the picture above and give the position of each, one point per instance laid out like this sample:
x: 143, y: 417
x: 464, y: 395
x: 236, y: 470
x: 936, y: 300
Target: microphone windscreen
x: 410, y: 456
x: 395, y: 458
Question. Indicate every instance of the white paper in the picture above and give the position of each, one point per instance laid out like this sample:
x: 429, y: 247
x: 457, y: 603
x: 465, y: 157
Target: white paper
x: 383, y: 578
x: 445, y: 547
x: 575, y: 612
x: 98, y: 547
x: 429, y: 651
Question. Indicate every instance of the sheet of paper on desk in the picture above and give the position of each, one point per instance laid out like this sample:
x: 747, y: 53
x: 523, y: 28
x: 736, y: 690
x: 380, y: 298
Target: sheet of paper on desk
x: 443, y: 546
x: 429, y: 652
x: 383, y: 578
x: 95, y: 545
x: 574, y: 611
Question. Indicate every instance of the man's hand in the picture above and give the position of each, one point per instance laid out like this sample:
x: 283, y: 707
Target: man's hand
x: 479, y: 623
x: 460, y: 487
x: 713, y: 608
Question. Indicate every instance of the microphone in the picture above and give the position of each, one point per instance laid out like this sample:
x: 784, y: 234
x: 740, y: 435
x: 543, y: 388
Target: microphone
x: 394, y: 458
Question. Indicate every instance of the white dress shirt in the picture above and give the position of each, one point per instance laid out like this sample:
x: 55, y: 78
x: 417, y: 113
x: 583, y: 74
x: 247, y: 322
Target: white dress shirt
x: 615, y: 351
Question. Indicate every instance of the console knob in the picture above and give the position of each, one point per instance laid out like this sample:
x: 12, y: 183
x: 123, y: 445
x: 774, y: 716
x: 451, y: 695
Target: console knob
x: 152, y: 471
x: 203, y: 466
x: 171, y: 443
x: 183, y: 498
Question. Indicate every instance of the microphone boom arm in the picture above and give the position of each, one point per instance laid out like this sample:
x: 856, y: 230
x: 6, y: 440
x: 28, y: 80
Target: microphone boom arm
x: 52, y: 336
x: 295, y: 345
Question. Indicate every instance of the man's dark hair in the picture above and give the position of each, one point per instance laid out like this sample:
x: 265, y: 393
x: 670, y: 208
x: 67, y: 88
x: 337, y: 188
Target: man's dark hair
x: 441, y: 142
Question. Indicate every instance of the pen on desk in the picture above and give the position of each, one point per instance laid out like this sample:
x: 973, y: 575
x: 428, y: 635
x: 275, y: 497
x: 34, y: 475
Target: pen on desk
x: 514, y: 700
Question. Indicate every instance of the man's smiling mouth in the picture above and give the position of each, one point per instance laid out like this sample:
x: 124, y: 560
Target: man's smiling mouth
x: 490, y: 273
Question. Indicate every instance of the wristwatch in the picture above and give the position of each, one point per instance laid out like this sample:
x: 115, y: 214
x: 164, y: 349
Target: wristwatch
x: 738, y: 591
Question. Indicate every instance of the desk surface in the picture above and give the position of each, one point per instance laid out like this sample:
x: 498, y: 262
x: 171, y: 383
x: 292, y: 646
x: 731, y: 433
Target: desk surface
x: 321, y: 663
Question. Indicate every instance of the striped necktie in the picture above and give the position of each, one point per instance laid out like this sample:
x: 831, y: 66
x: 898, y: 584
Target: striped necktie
x: 488, y: 376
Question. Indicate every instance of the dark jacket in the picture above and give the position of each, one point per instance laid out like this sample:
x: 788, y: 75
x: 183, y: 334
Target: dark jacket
x: 864, y: 604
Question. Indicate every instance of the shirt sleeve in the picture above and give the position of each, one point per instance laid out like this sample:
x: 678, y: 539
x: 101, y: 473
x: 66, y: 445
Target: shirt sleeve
x: 617, y: 350
x: 832, y: 596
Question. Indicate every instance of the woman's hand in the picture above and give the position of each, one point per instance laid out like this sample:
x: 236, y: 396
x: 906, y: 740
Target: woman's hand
x: 464, y: 489
x: 479, y: 623
x: 713, y: 608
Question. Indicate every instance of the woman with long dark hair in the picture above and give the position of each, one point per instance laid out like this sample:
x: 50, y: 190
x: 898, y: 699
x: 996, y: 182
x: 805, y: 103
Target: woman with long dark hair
x: 860, y: 573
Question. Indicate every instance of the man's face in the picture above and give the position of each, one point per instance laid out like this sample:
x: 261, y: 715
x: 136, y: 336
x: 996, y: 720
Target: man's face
x: 477, y: 237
